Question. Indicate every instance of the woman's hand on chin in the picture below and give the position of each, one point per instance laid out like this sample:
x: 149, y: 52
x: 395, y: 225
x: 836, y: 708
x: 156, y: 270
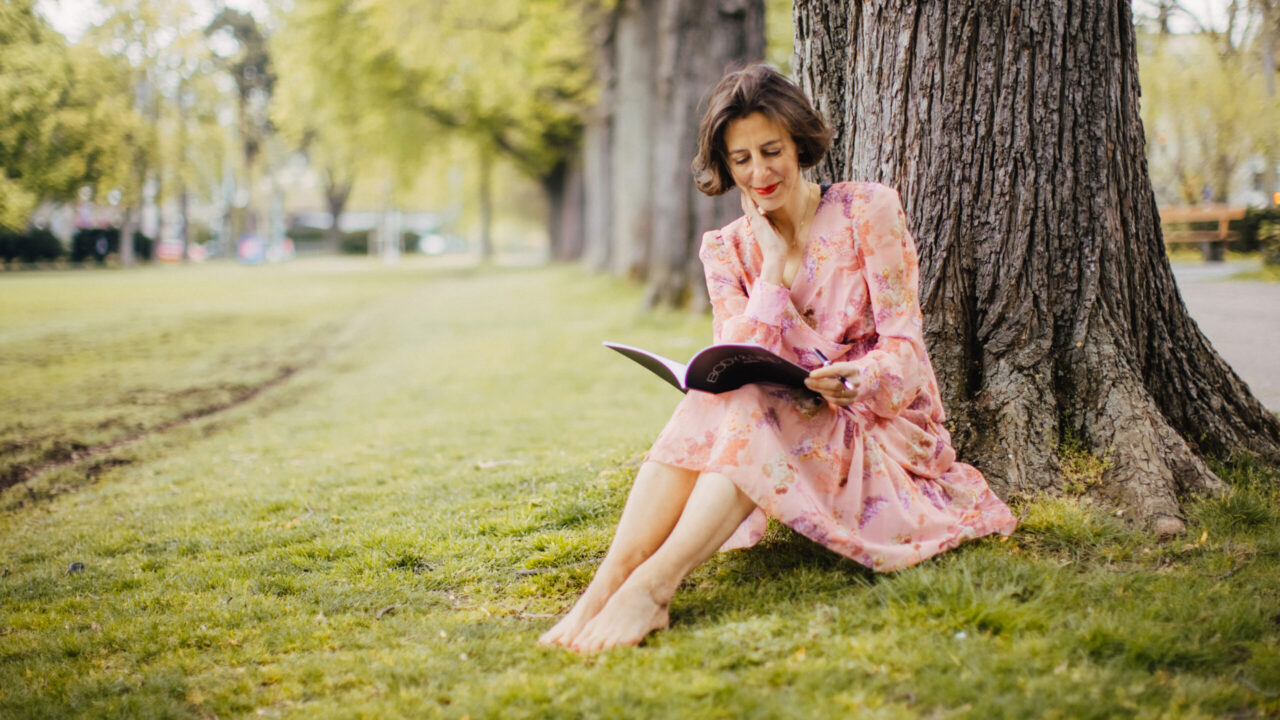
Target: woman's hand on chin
x: 837, y: 383
x: 772, y: 247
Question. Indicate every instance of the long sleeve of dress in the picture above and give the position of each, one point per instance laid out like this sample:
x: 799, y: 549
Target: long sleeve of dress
x: 890, y: 376
x: 755, y: 311
x: 741, y: 314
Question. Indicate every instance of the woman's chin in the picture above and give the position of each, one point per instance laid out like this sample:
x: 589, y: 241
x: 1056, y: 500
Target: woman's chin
x: 769, y: 203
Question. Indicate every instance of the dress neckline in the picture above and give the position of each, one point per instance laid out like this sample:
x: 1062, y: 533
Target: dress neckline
x: 809, y: 236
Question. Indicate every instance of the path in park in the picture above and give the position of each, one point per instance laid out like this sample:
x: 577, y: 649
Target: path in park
x: 1240, y: 318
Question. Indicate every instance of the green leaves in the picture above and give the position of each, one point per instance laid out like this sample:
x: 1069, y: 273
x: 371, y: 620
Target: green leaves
x: 363, y: 79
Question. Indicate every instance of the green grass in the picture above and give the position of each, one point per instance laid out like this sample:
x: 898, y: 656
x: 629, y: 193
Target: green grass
x: 1266, y: 273
x: 386, y: 531
x: 1184, y: 253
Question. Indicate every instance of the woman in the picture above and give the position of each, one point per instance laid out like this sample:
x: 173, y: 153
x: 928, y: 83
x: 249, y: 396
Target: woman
x: 865, y: 466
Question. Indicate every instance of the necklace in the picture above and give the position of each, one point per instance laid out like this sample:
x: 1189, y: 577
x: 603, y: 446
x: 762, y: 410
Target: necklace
x: 812, y: 195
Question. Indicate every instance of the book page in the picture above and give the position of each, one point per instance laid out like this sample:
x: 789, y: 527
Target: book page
x: 665, y: 368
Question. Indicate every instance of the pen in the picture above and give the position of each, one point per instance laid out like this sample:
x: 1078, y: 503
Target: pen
x: 827, y: 361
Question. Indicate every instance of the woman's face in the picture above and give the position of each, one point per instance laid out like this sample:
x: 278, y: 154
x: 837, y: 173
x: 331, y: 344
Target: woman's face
x: 763, y: 160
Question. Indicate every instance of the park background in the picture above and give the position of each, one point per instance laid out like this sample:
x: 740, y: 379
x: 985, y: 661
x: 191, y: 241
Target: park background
x: 333, y: 435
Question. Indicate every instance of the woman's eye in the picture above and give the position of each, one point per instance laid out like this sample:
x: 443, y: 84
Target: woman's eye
x: 771, y: 153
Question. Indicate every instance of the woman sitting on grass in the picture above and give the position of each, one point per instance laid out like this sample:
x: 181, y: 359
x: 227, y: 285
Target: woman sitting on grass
x: 865, y: 467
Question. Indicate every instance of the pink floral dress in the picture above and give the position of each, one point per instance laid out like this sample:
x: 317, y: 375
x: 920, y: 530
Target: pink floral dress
x: 878, y: 481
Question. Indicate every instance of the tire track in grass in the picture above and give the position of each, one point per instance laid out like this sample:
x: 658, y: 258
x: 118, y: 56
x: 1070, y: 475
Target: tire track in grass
x: 101, y: 453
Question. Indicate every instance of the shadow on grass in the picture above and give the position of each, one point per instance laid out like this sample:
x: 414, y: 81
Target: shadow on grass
x: 784, y: 569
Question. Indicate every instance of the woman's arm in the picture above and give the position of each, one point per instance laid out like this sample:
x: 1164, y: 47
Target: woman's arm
x: 741, y: 314
x: 887, y: 378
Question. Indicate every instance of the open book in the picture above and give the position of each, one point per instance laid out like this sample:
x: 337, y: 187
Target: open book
x: 719, y: 368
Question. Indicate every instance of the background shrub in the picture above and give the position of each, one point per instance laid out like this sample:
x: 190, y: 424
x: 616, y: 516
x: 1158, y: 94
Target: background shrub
x: 355, y: 243
x: 1251, y: 228
x: 97, y: 243
x: 29, y: 247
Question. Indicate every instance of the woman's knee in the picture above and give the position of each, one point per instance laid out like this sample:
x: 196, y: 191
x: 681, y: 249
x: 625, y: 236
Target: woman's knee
x: 654, y: 472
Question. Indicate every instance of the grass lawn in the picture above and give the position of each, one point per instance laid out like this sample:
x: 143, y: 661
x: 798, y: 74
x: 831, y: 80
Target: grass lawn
x: 1266, y: 273
x: 334, y: 489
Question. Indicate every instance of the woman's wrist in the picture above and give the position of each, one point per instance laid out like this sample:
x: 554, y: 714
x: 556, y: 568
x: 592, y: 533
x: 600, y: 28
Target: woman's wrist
x: 771, y: 272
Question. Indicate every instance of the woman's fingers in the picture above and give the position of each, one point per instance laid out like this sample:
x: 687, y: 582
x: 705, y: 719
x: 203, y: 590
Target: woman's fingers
x: 840, y: 369
x: 837, y: 383
x: 827, y: 386
x: 833, y: 390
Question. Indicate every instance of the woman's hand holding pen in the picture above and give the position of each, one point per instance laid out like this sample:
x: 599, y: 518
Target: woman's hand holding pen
x: 837, y: 382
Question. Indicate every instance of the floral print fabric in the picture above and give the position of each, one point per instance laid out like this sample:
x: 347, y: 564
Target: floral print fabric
x: 878, y: 481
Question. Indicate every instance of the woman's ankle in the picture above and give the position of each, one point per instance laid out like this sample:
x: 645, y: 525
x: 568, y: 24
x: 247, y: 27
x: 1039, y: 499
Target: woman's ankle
x: 656, y: 585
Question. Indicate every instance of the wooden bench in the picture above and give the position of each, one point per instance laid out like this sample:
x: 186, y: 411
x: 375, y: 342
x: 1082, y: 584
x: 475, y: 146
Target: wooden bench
x: 1213, y: 244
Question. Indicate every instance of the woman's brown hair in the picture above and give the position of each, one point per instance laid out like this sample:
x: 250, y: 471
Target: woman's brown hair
x: 762, y: 89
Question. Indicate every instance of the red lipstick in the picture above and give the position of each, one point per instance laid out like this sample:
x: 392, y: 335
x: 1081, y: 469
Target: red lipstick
x: 767, y: 190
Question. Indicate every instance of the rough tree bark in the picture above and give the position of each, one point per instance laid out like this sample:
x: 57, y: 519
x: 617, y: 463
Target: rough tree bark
x: 1011, y: 130
x: 698, y: 42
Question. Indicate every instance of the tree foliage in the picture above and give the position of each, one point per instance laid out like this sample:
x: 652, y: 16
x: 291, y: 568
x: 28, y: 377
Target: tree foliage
x: 510, y: 76
x: 63, y: 123
x: 1206, y: 103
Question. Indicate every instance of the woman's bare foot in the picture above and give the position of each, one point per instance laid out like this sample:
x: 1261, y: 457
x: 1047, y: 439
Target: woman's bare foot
x: 593, y: 599
x: 627, y: 618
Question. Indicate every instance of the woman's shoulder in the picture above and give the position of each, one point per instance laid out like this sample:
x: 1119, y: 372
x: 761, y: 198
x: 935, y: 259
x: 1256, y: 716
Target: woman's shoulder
x: 865, y: 202
x: 732, y: 233
x: 867, y: 193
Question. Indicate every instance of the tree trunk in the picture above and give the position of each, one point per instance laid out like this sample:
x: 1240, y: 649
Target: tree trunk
x: 1011, y: 131
x: 336, y: 193
x: 633, y: 136
x: 597, y: 152
x: 486, y: 205
x: 565, y: 215
x: 699, y: 41
x: 132, y: 214
x: 1270, y: 38
x: 127, y: 227
x: 184, y: 211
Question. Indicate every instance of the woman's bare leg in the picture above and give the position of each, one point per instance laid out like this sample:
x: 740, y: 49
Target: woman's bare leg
x: 639, y: 606
x: 654, y: 505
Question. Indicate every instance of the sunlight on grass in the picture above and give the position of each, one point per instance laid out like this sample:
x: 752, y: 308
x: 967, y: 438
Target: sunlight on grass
x: 386, y: 532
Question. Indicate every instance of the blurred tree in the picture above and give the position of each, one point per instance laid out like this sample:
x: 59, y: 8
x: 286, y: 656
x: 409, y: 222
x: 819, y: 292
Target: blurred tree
x: 1268, y: 12
x: 657, y: 61
x: 248, y: 62
x: 1205, y: 114
x: 1208, y: 98
x: 325, y: 104
x: 697, y: 42
x: 177, y: 147
x: 512, y: 77
x: 61, y: 123
x: 1011, y: 131
x: 779, y: 34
